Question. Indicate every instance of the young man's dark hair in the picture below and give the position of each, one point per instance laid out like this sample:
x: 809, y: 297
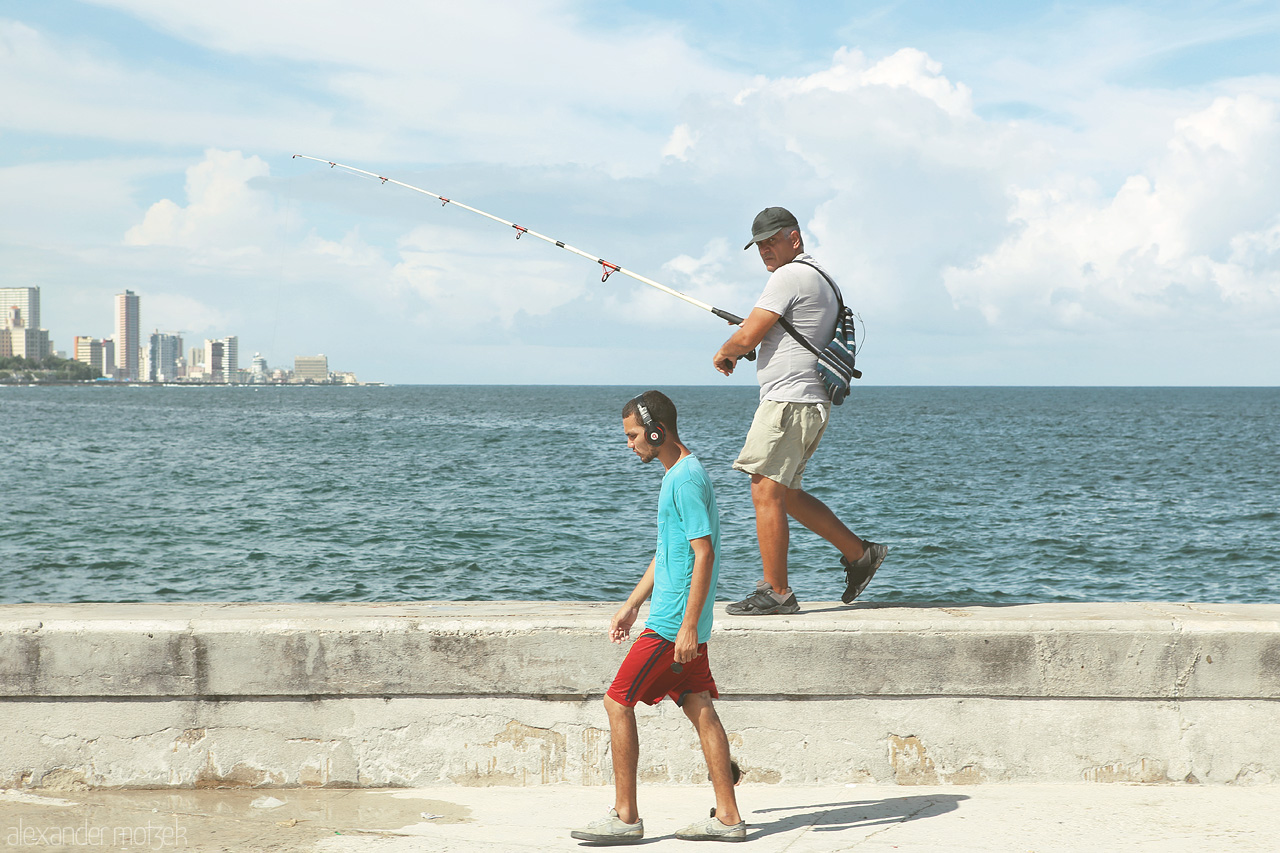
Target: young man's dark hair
x: 659, y: 406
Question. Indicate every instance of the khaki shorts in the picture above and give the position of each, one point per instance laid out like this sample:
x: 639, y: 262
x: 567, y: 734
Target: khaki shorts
x: 782, y: 438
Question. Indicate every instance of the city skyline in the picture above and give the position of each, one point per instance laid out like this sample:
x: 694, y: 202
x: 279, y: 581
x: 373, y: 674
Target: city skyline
x: 160, y: 360
x: 1012, y: 194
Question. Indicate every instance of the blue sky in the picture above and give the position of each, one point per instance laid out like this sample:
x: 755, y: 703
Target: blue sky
x: 1009, y: 193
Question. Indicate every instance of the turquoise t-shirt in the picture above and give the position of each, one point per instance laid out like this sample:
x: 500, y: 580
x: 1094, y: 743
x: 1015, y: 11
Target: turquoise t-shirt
x: 686, y: 510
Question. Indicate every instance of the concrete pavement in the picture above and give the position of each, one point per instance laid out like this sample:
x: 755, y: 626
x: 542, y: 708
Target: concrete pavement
x: 864, y: 818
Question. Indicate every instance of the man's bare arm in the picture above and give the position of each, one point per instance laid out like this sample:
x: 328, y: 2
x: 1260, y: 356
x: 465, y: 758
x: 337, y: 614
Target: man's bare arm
x: 747, y: 337
x: 704, y: 559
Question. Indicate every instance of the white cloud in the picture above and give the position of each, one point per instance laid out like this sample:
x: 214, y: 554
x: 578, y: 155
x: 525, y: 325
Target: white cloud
x: 1197, y: 230
x: 72, y: 203
x: 929, y: 214
x: 350, y: 251
x: 1100, y: 203
x: 223, y: 215
x: 682, y: 139
x: 889, y: 170
x: 525, y: 82
x: 707, y: 278
x: 908, y: 69
x: 464, y: 278
x: 175, y: 312
x: 1251, y: 274
x: 79, y: 91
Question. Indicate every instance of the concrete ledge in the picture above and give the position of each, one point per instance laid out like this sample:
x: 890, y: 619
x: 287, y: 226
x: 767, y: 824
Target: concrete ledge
x: 506, y: 693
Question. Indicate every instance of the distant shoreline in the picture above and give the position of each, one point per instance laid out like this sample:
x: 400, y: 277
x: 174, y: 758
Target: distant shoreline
x: 868, y: 387
x: 93, y: 383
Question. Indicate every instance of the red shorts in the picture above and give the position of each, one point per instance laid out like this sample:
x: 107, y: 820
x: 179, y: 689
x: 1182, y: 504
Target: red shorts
x: 646, y: 676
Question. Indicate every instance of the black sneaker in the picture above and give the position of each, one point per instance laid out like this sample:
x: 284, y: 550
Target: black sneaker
x: 859, y: 573
x: 762, y: 603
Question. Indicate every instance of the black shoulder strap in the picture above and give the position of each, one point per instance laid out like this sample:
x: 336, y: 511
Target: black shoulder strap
x: 791, y: 330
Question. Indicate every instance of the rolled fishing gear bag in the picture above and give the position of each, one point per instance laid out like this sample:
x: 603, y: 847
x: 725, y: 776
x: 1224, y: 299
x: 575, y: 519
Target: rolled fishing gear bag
x: 836, y: 359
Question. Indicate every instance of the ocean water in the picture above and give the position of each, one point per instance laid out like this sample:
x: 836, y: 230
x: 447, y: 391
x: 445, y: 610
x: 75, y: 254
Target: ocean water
x: 985, y: 495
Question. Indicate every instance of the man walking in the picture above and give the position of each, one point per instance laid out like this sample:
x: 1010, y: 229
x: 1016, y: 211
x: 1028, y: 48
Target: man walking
x: 669, y: 658
x: 793, y: 412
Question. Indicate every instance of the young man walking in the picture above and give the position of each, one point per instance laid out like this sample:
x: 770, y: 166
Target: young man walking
x: 669, y: 658
x: 793, y: 412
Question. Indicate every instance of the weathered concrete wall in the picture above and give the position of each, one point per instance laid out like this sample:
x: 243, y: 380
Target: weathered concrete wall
x: 508, y: 694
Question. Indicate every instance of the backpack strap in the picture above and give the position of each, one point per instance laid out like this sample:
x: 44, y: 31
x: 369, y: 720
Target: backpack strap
x: 836, y: 290
x: 791, y: 330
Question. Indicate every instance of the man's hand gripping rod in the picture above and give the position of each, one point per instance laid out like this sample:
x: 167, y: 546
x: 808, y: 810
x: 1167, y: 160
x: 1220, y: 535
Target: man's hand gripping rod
x: 609, y: 269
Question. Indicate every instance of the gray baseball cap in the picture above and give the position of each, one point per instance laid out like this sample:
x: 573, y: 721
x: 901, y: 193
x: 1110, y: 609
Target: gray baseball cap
x: 770, y: 221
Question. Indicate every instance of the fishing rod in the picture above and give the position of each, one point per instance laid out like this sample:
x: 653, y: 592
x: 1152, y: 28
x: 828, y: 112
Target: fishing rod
x: 609, y: 268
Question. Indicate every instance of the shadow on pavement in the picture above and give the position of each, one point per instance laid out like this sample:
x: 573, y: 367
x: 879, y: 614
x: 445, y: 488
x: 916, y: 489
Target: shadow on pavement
x: 834, y: 817
x: 922, y: 604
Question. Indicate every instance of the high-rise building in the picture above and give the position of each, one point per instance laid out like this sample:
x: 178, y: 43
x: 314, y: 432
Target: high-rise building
x: 231, y: 352
x: 310, y: 368
x: 26, y: 300
x: 220, y: 359
x: 163, y: 354
x: 17, y: 339
x: 128, y: 332
x: 6, y: 339
x: 7, y: 317
x: 215, y: 361
x: 20, y: 332
x: 258, y: 373
x: 89, y: 351
x: 109, y: 357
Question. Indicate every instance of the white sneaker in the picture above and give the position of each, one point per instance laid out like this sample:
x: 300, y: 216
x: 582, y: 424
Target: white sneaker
x: 611, y: 830
x: 712, y: 829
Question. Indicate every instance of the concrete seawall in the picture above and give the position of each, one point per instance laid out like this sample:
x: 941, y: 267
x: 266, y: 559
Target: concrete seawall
x: 507, y: 693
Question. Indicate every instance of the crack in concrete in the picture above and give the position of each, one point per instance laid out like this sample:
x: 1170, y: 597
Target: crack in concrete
x: 1180, y: 683
x: 912, y: 816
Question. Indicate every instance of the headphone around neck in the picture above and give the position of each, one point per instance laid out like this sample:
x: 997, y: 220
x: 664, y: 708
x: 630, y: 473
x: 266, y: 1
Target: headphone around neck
x: 653, y: 431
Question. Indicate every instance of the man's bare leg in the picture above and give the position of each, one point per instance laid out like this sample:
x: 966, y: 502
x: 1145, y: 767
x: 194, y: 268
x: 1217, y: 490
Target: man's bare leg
x: 770, y: 500
x: 715, y: 749
x: 819, y: 518
x: 625, y: 743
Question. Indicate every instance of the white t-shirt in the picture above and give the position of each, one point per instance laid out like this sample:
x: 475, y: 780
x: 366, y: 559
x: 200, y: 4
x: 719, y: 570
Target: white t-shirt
x: 787, y: 372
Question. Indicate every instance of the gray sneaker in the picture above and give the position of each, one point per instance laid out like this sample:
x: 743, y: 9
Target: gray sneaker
x: 762, y: 603
x: 712, y: 829
x: 859, y: 573
x: 611, y: 830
